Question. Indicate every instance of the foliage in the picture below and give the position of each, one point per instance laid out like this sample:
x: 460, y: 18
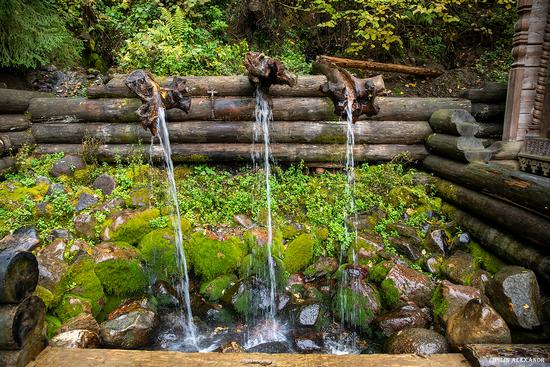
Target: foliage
x: 159, y: 253
x: 213, y: 290
x: 298, y: 253
x: 122, y: 277
x: 33, y: 35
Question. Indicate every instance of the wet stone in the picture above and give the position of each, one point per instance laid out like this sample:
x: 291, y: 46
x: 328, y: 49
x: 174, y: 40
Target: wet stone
x: 110, y: 251
x: 405, y: 317
x: 322, y: 267
x: 417, y: 341
x: 271, y: 347
x: 75, y: 339
x: 406, y: 248
x: 405, y: 231
x: 129, y: 330
x: 23, y: 239
x: 460, y: 267
x: 308, y: 342
x: 84, y: 224
x: 85, y: 201
x: 309, y: 315
x: 412, y: 285
x: 456, y: 296
x: 61, y: 233
x: 165, y: 294
x: 432, y: 265
x: 83, y: 321
x: 437, y: 241
x: 106, y: 183
x: 56, y: 188
x: 67, y: 165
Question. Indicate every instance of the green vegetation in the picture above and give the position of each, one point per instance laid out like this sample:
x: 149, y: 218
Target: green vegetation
x: 486, y: 260
x: 389, y: 294
x: 122, y: 277
x: 213, y: 290
x: 438, y: 303
x: 356, y: 310
x: 158, y: 249
x: 133, y: 228
x: 299, y: 253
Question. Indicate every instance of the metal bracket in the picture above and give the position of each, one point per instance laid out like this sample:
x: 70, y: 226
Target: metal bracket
x: 212, y: 93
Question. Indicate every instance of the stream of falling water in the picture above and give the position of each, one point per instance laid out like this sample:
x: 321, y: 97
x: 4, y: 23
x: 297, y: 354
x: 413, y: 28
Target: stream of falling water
x: 183, y: 286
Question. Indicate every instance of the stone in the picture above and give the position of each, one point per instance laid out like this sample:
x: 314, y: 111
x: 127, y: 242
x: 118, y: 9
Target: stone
x: 309, y: 314
x: 75, y: 339
x: 271, y: 347
x: 61, y: 233
x: 67, y: 165
x: 404, y: 230
x: 79, y: 249
x: 165, y: 294
x: 230, y: 347
x: 433, y: 265
x: 243, y: 220
x: 139, y: 198
x: 42, y: 180
x: 514, y: 293
x: 405, y: 317
x: 129, y: 330
x: 361, y: 303
x: 455, y: 297
x: 106, y: 183
x: 460, y: 268
x: 85, y: 201
x: 412, y: 285
x: 55, y: 188
x: 437, y: 242
x: 417, y: 341
x: 23, y: 239
x: 477, y: 323
x: 296, y: 279
x: 406, y: 248
x: 322, y: 267
x: 308, y: 342
x: 84, y: 224
x: 51, y: 264
x: 111, y: 205
x: 110, y: 251
x: 481, y: 279
x: 83, y: 321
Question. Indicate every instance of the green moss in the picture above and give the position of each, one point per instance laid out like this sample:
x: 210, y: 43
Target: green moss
x: 353, y: 309
x: 158, y: 249
x: 52, y: 325
x: 45, y: 295
x: 289, y: 231
x: 13, y: 193
x: 439, y: 304
x: 241, y: 303
x: 212, y: 258
x: 213, y: 290
x: 378, y: 272
x: 135, y: 227
x: 111, y: 304
x: 71, y: 306
x: 122, y: 277
x: 299, y: 253
x: 322, y: 233
x: 390, y: 294
x: 488, y: 261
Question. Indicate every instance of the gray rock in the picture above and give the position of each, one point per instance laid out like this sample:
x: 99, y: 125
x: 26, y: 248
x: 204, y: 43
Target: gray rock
x: 84, y: 224
x: 412, y: 285
x: 405, y: 317
x: 437, y: 241
x: 75, y: 339
x: 405, y: 231
x: 55, y: 188
x: 406, y: 248
x: 308, y: 342
x: 42, y: 180
x: 514, y: 292
x: 417, y: 341
x: 61, y: 233
x: 432, y: 265
x: 270, y: 347
x: 322, y: 267
x: 460, y: 267
x: 243, y: 220
x: 67, y: 165
x: 106, y: 183
x: 129, y: 330
x: 23, y: 239
x: 83, y: 321
x: 309, y: 315
x: 477, y: 323
x: 85, y: 201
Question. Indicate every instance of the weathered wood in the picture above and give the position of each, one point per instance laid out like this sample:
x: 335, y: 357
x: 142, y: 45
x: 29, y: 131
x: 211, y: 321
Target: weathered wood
x: 220, y: 86
x: 18, y: 275
x: 11, y: 141
x: 488, y: 112
x: 327, y: 132
x: 507, y: 355
x: 530, y: 191
x: 454, y: 122
x: 506, y: 216
x: 14, y: 123
x: 21, y: 358
x: 506, y: 150
x: 130, y: 358
x: 6, y: 164
x: 501, y: 243
x: 489, y: 93
x: 379, y: 66
x: 199, y: 153
x: 17, y: 101
x: 20, y: 321
x: 459, y: 148
x: 489, y: 130
x: 234, y: 109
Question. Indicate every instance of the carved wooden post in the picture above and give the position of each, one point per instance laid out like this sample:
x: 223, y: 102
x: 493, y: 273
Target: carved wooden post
x: 535, y: 127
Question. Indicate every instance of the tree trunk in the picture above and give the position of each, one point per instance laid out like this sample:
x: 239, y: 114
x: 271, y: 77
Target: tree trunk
x: 533, y: 227
x: 21, y: 358
x: 489, y: 130
x: 490, y: 93
x: 234, y: 109
x: 379, y: 66
x: 20, y: 321
x: 6, y: 164
x: 17, y: 101
x: 14, y: 123
x: 10, y: 142
x: 222, y: 86
x: 529, y: 191
x: 488, y: 112
x: 18, y: 275
x: 458, y: 148
x: 454, y: 122
x: 501, y: 243
x: 200, y: 153
x: 327, y: 132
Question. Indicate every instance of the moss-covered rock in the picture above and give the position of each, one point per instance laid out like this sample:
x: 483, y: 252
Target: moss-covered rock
x: 52, y: 325
x: 111, y: 304
x: 129, y: 226
x: 122, y: 277
x: 45, y: 295
x: 357, y: 306
x: 12, y: 193
x: 389, y: 294
x: 213, y: 290
x: 299, y: 253
x: 158, y: 249
x: 488, y: 261
x: 212, y: 258
x: 71, y: 306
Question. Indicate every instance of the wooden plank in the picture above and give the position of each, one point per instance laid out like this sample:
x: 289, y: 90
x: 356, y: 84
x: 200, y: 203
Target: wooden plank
x: 507, y: 355
x: 121, y: 358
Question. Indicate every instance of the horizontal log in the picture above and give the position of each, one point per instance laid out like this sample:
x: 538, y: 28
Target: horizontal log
x: 18, y: 275
x: 485, y: 355
x: 459, y: 148
x: 453, y: 122
x: 529, y: 191
x: 200, y: 153
x: 12, y: 141
x: 329, y: 132
x: 20, y: 321
x: 502, y: 244
x: 380, y: 66
x: 484, y: 112
x: 489, y: 130
x: 489, y: 93
x: 506, y: 150
x: 17, y: 101
x: 533, y: 228
x: 14, y: 123
x: 6, y: 164
x: 21, y: 358
x: 234, y: 109
x: 221, y: 86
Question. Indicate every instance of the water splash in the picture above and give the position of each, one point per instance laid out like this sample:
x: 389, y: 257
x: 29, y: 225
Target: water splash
x: 183, y: 286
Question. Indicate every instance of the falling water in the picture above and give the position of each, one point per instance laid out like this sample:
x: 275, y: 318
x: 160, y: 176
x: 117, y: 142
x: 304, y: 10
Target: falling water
x: 183, y: 286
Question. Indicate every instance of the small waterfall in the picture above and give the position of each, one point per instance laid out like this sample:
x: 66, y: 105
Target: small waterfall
x: 183, y: 286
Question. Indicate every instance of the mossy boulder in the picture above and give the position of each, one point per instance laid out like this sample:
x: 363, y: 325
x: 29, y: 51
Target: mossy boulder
x: 357, y: 305
x: 52, y: 325
x: 129, y: 226
x: 71, y: 306
x: 488, y: 261
x: 45, y: 295
x: 122, y: 277
x: 213, y: 290
x: 299, y: 253
x: 158, y: 250
x: 212, y: 258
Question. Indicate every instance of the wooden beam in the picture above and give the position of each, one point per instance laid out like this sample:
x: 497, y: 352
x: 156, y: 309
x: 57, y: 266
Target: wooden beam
x: 380, y: 66
x: 458, y: 148
x: 14, y: 123
x: 17, y: 101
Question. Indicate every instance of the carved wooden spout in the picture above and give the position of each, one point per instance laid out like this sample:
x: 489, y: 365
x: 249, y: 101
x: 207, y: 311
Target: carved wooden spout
x: 264, y: 71
x: 345, y: 89
x: 142, y: 83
